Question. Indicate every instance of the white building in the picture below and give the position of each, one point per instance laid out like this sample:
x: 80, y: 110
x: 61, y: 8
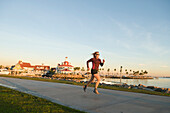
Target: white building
x: 4, y: 72
x: 65, y: 67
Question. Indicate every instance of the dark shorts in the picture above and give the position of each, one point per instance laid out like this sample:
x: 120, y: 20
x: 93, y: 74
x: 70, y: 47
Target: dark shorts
x: 94, y: 71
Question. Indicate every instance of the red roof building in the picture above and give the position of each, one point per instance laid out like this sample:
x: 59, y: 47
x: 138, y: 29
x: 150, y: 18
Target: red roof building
x: 27, y: 66
x: 65, y: 67
x: 24, y: 65
x: 41, y: 67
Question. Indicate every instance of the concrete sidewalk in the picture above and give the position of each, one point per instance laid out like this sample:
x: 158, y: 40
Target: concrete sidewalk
x: 109, y: 101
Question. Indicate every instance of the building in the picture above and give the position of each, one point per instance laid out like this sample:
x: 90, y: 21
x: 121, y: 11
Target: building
x: 23, y: 66
x: 41, y: 67
x: 28, y: 68
x: 65, y: 67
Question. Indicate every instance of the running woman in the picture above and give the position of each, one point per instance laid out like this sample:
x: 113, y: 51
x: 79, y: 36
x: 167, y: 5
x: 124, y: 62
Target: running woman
x: 94, y: 71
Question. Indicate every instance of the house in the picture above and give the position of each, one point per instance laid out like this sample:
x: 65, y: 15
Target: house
x: 41, y: 67
x: 65, y: 67
x: 23, y: 66
x: 28, y: 68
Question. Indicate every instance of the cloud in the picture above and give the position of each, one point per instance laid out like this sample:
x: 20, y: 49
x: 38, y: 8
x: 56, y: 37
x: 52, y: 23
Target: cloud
x: 123, y: 44
x: 141, y: 64
x: 153, y: 46
x: 164, y: 66
x: 139, y: 37
x: 123, y: 27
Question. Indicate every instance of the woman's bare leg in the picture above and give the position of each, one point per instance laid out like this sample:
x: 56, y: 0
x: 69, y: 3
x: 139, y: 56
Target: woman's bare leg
x: 84, y: 87
x: 91, y: 80
x: 98, y: 80
x: 97, y: 83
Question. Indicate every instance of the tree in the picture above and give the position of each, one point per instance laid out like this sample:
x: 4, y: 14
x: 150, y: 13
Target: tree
x: 82, y: 69
x: 103, y: 70
x: 140, y: 73
x: 135, y: 73
x: 130, y: 71
x: 100, y: 71
x: 108, y: 70
x: 1, y: 66
x: 145, y: 72
x: 126, y: 71
x: 115, y: 71
x: 76, y: 68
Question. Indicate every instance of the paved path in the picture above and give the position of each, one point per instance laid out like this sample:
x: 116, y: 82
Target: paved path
x: 109, y: 101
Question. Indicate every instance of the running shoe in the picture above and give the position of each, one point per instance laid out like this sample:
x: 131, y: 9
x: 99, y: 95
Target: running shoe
x: 85, y: 87
x: 95, y: 91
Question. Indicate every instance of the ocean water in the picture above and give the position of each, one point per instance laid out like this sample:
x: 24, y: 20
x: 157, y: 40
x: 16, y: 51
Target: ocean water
x: 159, y: 82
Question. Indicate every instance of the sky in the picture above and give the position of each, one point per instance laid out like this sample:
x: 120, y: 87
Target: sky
x: 134, y: 34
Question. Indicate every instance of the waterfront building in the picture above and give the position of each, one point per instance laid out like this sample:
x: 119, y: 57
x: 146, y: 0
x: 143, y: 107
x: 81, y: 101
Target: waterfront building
x: 41, y: 67
x: 65, y: 67
x: 4, y: 72
x: 25, y: 67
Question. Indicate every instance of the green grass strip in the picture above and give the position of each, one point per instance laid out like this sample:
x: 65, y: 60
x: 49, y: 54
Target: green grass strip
x: 92, y: 85
x: 12, y: 101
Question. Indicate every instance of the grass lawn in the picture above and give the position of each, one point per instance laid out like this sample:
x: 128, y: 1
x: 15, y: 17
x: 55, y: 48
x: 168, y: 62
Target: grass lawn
x: 12, y: 101
x: 92, y: 85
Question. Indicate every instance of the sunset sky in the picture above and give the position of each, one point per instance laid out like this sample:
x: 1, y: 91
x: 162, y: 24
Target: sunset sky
x: 130, y: 33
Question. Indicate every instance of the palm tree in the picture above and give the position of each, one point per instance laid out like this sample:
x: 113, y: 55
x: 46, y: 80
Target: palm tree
x: 126, y: 71
x: 130, y: 71
x: 82, y: 70
x: 76, y: 68
x: 100, y: 71
x: 145, y: 72
x: 108, y: 70
x: 141, y: 73
x: 103, y: 70
x: 135, y: 73
x: 115, y: 70
x: 1, y: 66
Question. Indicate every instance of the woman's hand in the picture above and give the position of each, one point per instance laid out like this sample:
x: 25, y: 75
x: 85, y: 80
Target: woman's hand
x: 103, y: 60
x: 88, y: 69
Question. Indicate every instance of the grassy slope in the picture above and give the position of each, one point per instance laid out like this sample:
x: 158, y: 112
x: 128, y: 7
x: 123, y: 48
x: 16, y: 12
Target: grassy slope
x: 12, y: 101
x: 92, y: 85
